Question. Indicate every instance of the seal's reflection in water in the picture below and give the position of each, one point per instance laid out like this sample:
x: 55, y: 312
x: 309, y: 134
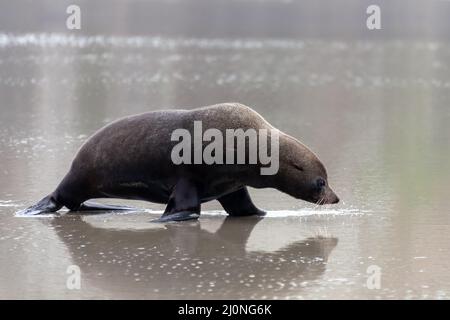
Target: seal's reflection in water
x: 185, y: 261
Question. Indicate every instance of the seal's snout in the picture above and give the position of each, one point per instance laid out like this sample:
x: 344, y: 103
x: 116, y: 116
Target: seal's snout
x: 335, y: 200
x: 331, y: 197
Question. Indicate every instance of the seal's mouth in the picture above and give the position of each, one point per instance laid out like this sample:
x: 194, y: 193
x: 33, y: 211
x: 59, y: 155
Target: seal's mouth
x: 328, y: 197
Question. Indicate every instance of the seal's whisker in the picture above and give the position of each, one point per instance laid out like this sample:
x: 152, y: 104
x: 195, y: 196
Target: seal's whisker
x: 319, y: 202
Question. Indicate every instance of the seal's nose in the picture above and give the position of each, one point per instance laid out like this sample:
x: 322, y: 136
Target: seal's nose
x: 332, y: 197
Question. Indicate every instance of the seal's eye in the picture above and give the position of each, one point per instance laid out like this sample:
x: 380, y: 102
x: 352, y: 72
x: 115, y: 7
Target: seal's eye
x: 298, y: 167
x: 320, y: 183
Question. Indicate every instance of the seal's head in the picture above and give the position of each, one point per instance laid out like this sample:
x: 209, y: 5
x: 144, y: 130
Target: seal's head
x: 301, y: 173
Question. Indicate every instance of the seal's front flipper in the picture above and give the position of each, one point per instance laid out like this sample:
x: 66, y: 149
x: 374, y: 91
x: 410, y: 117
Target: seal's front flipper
x: 239, y: 203
x: 184, y: 202
x: 178, y: 216
x: 46, y: 205
x: 92, y: 206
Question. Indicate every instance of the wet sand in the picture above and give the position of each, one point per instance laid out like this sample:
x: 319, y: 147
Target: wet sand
x: 376, y: 113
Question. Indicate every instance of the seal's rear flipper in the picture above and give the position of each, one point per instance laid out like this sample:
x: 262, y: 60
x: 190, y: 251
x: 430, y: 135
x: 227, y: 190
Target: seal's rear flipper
x: 178, y: 216
x: 184, y: 203
x: 92, y: 206
x: 46, y: 205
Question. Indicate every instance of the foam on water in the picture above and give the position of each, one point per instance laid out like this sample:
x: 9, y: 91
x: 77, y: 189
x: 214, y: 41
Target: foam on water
x: 82, y: 41
x: 296, y: 213
x: 213, y: 213
x: 63, y: 40
x: 22, y: 214
x: 278, y: 213
x: 8, y: 203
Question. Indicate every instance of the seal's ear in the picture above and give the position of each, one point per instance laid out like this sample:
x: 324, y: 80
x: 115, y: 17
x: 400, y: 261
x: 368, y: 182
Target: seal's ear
x: 298, y: 167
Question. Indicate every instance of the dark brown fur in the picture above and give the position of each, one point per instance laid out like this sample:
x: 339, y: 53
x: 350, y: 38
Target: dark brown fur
x: 130, y: 159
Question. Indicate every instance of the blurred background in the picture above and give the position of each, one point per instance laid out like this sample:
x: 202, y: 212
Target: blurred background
x: 373, y: 104
x: 233, y: 18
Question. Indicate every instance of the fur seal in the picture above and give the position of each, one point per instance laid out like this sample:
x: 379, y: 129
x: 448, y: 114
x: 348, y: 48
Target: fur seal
x: 131, y: 159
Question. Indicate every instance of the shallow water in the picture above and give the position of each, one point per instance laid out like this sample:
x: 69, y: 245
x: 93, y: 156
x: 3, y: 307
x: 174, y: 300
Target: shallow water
x: 376, y: 113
